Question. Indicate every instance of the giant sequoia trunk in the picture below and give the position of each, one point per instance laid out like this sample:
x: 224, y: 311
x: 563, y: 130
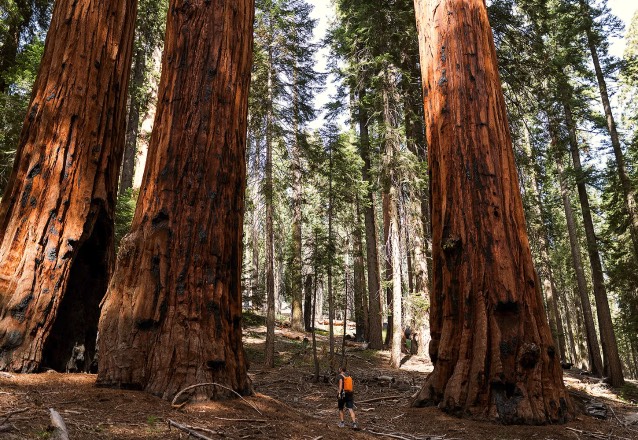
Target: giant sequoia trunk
x: 492, y: 348
x: 56, y: 217
x: 172, y: 314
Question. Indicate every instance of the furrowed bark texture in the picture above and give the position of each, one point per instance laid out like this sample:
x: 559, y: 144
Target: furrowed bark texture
x: 492, y: 347
x: 56, y: 217
x: 172, y: 314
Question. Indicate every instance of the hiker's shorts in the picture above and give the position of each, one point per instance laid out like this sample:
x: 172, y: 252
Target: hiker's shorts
x: 346, y: 400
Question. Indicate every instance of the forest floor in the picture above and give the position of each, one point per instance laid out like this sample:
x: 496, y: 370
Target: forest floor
x: 289, y: 405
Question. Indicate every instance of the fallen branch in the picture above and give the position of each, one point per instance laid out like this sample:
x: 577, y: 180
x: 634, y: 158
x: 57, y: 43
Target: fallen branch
x: 8, y: 415
x: 241, y: 420
x: 210, y: 384
x: 360, y: 358
x: 59, y: 428
x: 186, y: 429
x: 600, y: 436
x: 378, y: 399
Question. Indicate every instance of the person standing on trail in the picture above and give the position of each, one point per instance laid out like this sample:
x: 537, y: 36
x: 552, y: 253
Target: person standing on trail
x: 345, y: 397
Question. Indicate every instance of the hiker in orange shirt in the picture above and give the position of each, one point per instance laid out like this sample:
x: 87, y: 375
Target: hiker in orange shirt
x: 345, y: 397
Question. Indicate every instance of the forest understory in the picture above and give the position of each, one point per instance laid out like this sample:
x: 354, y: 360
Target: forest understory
x: 288, y: 404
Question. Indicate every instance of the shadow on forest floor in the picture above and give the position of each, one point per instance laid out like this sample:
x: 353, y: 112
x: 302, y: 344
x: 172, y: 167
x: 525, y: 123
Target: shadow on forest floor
x: 291, y: 404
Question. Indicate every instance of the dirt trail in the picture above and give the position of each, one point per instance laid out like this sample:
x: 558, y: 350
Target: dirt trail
x: 287, y: 404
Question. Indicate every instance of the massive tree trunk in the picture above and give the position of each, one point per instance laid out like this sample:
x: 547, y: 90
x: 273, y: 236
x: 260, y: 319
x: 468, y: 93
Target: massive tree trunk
x: 172, y: 314
x: 593, y: 349
x: 56, y: 217
x: 492, y: 348
x: 133, y: 122
x: 372, y: 256
x: 612, y: 364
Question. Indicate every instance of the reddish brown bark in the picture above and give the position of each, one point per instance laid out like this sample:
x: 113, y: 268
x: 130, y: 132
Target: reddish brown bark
x: 492, y: 348
x: 172, y: 314
x: 56, y: 217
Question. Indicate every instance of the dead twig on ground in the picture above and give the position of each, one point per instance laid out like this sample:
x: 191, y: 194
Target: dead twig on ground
x: 378, y: 399
x: 211, y: 384
x: 600, y: 436
x: 242, y: 420
x: 190, y: 432
x: 8, y: 415
x: 59, y: 427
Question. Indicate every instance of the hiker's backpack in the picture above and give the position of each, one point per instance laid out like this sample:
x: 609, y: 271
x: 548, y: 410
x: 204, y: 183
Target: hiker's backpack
x: 348, y: 384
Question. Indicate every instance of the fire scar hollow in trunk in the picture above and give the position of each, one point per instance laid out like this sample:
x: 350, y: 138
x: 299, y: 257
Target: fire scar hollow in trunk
x: 56, y: 216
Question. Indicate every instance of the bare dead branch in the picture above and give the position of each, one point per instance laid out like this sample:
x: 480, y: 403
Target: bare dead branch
x: 211, y: 384
x: 186, y: 429
x: 378, y: 399
x: 8, y: 415
x: 241, y: 420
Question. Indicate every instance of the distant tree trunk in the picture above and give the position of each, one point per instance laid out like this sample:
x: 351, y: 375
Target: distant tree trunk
x: 492, y: 348
x: 628, y: 190
x: 257, y: 295
x: 307, y: 308
x: 549, y: 287
x: 397, y: 297
x: 372, y: 259
x: 418, y: 209
x: 133, y: 122
x: 172, y: 315
x: 612, y: 364
x: 269, y: 356
x: 593, y: 349
x: 580, y: 333
x: 56, y: 216
x: 391, y: 215
x: 389, y: 270
x: 570, y: 335
x: 296, y: 319
x: 331, y: 251
x: 315, y: 358
x: 360, y: 300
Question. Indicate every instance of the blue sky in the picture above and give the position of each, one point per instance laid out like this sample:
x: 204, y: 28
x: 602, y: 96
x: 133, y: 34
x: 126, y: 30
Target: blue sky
x: 324, y: 13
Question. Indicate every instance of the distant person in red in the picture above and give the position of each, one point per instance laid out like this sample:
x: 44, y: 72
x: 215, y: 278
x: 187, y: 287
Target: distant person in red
x: 345, y: 397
